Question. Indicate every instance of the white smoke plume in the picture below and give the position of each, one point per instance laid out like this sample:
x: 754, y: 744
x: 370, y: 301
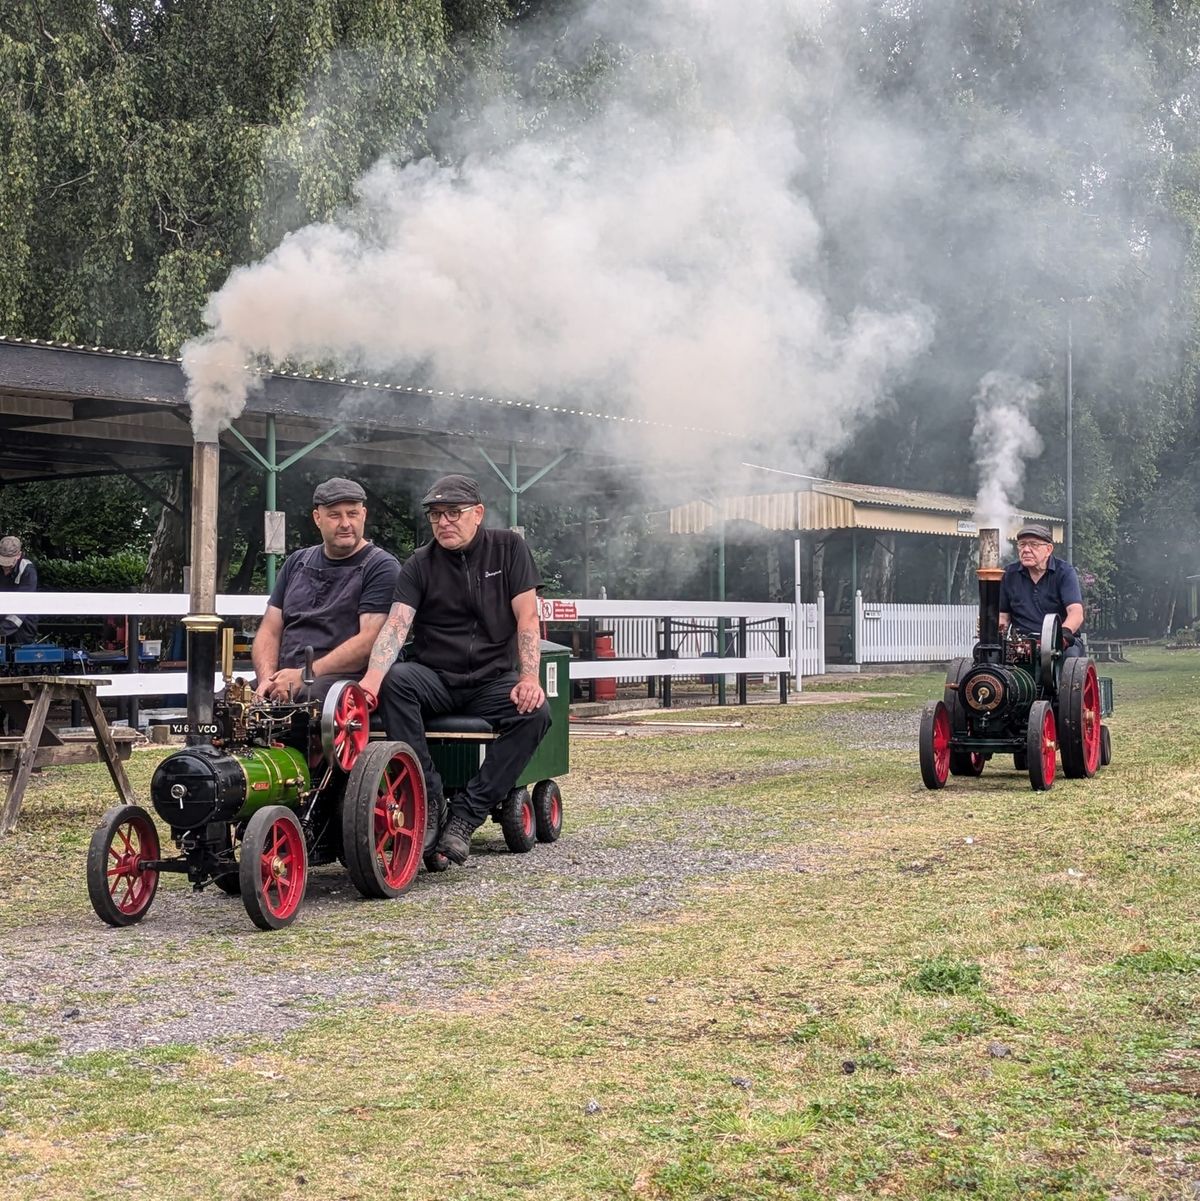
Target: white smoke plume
x: 659, y: 259
x: 1003, y: 440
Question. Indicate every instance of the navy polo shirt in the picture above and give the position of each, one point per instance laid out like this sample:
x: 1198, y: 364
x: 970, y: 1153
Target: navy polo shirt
x: 1028, y: 603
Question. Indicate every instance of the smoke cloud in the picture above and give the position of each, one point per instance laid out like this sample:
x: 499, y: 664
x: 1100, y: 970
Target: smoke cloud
x: 813, y: 226
x: 1004, y: 440
x: 655, y: 258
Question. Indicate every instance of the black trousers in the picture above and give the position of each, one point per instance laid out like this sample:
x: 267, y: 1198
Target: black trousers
x: 411, y: 692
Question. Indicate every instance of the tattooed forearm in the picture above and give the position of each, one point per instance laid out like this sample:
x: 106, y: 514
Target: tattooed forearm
x: 391, y: 638
x: 527, y: 650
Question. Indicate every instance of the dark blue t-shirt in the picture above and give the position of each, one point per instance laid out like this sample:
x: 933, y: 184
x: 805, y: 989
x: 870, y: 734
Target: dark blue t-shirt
x: 1028, y: 603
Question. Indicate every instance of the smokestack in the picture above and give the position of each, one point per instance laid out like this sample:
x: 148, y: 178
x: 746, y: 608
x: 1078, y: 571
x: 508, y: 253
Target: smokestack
x: 202, y: 622
x: 990, y: 574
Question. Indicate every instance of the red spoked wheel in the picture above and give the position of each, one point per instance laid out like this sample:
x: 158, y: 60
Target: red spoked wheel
x: 1079, y: 718
x: 1041, y: 744
x: 383, y: 819
x: 934, y: 744
x: 547, y: 810
x: 120, y: 886
x: 274, y: 867
x: 518, y: 821
x: 345, y: 724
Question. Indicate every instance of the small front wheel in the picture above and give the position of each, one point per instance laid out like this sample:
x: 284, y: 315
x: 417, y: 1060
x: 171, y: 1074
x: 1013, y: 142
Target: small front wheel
x: 934, y: 744
x: 547, y: 810
x: 517, y: 821
x: 1041, y: 745
x: 120, y: 886
x: 966, y: 763
x: 274, y: 867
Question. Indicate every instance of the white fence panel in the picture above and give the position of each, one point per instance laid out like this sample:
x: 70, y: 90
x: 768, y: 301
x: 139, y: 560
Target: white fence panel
x: 809, y: 639
x: 912, y: 633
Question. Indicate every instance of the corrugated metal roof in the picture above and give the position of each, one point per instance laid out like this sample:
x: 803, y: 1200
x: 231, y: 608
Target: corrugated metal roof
x: 825, y: 505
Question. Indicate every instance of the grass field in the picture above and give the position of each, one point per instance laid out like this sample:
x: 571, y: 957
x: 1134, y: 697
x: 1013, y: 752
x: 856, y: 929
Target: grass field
x: 977, y: 992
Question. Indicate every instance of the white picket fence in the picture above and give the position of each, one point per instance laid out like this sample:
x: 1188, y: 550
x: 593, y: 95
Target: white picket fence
x: 912, y: 633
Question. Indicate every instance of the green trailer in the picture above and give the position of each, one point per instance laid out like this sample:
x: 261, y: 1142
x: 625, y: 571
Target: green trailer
x: 532, y: 812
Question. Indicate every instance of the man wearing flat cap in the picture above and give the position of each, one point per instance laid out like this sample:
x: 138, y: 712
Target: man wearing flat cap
x: 333, y: 597
x: 17, y: 574
x: 468, y: 597
x: 1039, y: 584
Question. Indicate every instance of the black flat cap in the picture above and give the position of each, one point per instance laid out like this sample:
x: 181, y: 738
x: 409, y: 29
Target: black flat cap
x: 453, y: 490
x: 336, y: 490
x: 1032, y: 529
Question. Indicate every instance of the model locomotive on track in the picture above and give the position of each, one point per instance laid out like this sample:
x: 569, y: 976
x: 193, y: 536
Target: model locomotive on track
x: 1016, y: 695
x: 268, y: 790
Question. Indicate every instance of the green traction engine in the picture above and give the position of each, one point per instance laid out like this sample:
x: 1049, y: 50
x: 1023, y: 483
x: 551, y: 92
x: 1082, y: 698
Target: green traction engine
x: 1016, y: 695
x: 266, y: 791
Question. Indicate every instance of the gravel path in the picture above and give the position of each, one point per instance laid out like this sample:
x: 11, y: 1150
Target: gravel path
x: 196, y: 972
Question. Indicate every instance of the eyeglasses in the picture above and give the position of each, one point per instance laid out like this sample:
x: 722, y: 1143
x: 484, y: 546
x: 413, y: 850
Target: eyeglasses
x: 451, y: 515
x: 1032, y: 544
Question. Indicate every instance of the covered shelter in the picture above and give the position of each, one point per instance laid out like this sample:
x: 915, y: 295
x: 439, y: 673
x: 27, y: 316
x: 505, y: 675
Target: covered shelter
x: 69, y: 411
x: 847, y: 537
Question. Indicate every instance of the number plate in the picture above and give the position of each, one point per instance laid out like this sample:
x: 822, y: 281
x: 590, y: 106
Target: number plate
x: 206, y: 729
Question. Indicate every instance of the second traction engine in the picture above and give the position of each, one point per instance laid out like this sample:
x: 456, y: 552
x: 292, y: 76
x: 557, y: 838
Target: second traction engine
x: 1017, y: 694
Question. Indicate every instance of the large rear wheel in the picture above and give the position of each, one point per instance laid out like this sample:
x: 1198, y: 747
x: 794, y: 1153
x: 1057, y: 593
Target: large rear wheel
x: 383, y: 819
x: 1079, y: 718
x: 120, y: 886
x: 274, y: 867
x: 1041, y: 743
x: 934, y: 744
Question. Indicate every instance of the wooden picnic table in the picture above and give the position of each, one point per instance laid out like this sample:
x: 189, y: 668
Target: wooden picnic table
x: 28, y: 699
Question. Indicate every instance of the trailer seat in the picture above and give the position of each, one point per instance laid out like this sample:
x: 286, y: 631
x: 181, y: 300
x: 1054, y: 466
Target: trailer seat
x: 450, y: 727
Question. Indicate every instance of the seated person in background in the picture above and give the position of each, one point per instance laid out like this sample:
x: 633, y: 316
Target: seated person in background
x: 17, y: 574
x: 333, y: 597
x: 1039, y: 584
x: 469, y: 598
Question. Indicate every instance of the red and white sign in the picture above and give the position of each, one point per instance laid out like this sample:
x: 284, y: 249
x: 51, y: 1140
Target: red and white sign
x: 557, y: 610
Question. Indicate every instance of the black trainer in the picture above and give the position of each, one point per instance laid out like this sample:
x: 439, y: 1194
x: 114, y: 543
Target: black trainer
x: 455, y: 842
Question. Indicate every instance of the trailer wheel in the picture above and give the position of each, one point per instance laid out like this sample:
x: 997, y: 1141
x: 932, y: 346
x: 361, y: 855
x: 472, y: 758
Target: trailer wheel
x: 1079, y: 718
x: 119, y: 887
x: 1020, y: 761
x: 547, y: 810
x: 518, y: 822
x: 274, y: 867
x: 934, y: 745
x: 383, y: 819
x: 1041, y: 745
x: 967, y: 763
x: 1105, y: 746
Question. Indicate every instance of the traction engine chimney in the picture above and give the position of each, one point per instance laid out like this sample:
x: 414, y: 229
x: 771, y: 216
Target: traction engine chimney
x: 202, y: 622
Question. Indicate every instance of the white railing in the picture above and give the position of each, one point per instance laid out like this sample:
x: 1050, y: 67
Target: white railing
x: 637, y: 652
x: 912, y: 633
x: 638, y: 630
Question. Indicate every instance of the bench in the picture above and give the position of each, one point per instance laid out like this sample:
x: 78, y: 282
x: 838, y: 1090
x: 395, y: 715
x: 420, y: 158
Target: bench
x: 26, y: 700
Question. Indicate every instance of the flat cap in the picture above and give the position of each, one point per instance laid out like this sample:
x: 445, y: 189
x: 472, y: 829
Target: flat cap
x: 333, y: 491
x: 10, y: 551
x: 1032, y: 529
x: 453, y: 490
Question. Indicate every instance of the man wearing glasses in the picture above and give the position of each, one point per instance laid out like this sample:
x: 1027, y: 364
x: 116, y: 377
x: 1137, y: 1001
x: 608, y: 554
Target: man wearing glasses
x: 1039, y: 584
x: 468, y: 597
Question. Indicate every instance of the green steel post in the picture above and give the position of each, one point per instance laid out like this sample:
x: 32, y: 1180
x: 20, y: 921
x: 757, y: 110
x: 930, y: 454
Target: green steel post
x: 514, y: 491
x: 272, y: 475
x: 853, y: 589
